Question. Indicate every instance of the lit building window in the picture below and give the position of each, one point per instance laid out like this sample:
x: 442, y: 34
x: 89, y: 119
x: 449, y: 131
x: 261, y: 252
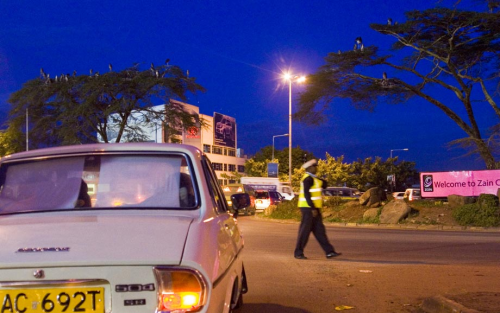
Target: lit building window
x: 217, y: 166
x: 216, y: 150
x: 206, y: 148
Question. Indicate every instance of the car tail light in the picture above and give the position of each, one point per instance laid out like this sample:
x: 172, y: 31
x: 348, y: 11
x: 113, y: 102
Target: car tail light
x: 179, y: 290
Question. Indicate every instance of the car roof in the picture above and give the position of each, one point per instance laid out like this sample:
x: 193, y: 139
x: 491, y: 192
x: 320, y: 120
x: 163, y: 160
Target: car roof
x: 105, y: 147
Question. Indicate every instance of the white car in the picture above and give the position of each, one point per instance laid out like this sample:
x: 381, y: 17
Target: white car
x: 117, y: 228
x: 398, y: 195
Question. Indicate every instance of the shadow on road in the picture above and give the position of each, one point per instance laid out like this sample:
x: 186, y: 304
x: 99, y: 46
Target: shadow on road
x: 269, y: 308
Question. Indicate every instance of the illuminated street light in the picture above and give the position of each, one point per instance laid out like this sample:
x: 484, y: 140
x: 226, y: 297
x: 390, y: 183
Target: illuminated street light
x: 284, y: 135
x: 291, y: 78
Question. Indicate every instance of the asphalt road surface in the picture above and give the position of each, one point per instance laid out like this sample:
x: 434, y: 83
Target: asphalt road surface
x: 380, y: 270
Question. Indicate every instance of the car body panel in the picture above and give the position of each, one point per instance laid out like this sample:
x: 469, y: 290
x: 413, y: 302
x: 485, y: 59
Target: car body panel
x: 111, y: 247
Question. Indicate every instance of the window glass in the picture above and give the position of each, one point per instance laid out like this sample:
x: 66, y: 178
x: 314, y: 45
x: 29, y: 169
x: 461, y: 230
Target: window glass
x: 105, y: 181
x: 216, y: 150
x: 214, y: 185
x: 261, y: 194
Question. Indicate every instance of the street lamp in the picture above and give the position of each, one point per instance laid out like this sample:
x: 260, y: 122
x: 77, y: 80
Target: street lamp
x: 27, y: 138
x: 284, y: 135
x: 393, y: 181
x: 405, y: 149
x: 291, y: 78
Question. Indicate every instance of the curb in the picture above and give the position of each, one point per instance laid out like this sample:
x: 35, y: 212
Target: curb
x: 440, y: 304
x: 392, y: 226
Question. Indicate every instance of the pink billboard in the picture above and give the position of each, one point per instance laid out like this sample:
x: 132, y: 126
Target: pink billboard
x: 465, y: 183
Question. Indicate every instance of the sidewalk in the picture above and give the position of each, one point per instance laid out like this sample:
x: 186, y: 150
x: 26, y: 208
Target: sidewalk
x: 477, y: 302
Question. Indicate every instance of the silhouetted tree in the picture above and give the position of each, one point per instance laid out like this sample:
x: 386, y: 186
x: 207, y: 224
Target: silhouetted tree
x: 442, y: 55
x: 76, y: 109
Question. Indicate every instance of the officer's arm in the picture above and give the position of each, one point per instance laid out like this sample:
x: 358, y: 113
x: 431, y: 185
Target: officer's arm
x: 308, y: 183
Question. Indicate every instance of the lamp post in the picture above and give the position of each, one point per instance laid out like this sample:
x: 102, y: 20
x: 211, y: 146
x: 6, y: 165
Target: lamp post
x: 27, y: 137
x: 284, y: 135
x: 291, y: 78
x: 393, y: 181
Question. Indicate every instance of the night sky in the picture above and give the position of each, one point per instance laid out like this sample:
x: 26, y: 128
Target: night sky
x: 237, y: 50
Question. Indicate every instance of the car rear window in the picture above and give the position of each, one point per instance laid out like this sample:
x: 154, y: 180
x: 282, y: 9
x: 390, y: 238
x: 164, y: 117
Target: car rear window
x: 262, y: 195
x: 97, y: 181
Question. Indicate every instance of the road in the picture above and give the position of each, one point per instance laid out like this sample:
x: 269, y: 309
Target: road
x: 381, y: 270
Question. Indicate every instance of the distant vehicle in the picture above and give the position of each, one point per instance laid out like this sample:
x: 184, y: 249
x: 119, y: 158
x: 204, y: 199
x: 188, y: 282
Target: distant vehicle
x: 398, y: 195
x: 135, y: 227
x: 269, y: 183
x: 232, y: 189
x: 412, y: 194
x: 265, y: 198
x: 343, y: 192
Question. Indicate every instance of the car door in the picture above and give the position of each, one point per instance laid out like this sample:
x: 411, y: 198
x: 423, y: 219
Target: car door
x: 229, y: 237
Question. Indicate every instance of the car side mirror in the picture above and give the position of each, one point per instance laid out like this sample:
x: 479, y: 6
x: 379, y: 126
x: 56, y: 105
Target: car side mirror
x: 240, y: 200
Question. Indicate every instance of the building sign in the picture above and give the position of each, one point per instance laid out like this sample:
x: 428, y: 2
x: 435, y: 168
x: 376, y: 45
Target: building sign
x: 193, y: 132
x: 224, y: 130
x: 465, y: 183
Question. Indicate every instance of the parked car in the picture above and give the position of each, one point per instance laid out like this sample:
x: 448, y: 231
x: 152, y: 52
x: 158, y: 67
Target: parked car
x: 343, y: 192
x: 412, y: 194
x: 136, y: 227
x: 265, y: 198
x: 231, y: 189
x: 398, y: 195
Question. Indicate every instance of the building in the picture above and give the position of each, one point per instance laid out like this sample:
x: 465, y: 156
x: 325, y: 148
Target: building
x: 218, y: 139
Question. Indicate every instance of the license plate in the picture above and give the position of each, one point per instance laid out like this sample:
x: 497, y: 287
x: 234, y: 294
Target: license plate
x: 53, y: 300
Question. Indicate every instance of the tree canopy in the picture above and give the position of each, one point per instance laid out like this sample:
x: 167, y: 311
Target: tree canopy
x: 361, y: 174
x: 446, y: 56
x: 75, y: 109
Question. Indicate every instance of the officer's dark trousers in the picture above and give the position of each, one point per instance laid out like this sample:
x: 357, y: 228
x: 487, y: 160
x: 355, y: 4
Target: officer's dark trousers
x: 315, y: 225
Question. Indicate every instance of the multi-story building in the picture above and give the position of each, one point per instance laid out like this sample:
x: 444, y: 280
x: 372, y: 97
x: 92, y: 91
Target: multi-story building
x: 217, y: 138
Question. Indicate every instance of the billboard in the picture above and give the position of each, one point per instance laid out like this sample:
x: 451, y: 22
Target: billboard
x: 465, y: 183
x: 272, y: 169
x: 224, y: 130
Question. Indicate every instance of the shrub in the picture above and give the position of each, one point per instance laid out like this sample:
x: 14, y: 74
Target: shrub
x: 286, y: 210
x: 333, y: 201
x: 480, y: 214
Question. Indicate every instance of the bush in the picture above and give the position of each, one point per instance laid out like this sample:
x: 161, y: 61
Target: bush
x: 334, y: 201
x: 286, y: 210
x: 481, y: 213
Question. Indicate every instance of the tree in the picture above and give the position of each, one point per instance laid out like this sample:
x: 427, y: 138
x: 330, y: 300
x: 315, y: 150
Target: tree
x: 79, y: 109
x: 367, y: 173
x: 442, y: 54
x: 234, y: 176
x: 299, y: 156
x: 11, y: 141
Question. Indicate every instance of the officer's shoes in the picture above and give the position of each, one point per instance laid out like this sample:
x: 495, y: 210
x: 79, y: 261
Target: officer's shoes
x: 333, y: 254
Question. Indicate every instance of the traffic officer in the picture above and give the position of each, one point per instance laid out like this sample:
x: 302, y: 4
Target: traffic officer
x: 310, y: 203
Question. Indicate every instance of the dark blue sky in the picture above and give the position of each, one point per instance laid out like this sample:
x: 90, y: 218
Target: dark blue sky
x: 236, y: 50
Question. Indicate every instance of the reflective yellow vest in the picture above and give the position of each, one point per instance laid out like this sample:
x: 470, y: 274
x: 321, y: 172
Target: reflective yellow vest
x: 316, y: 195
